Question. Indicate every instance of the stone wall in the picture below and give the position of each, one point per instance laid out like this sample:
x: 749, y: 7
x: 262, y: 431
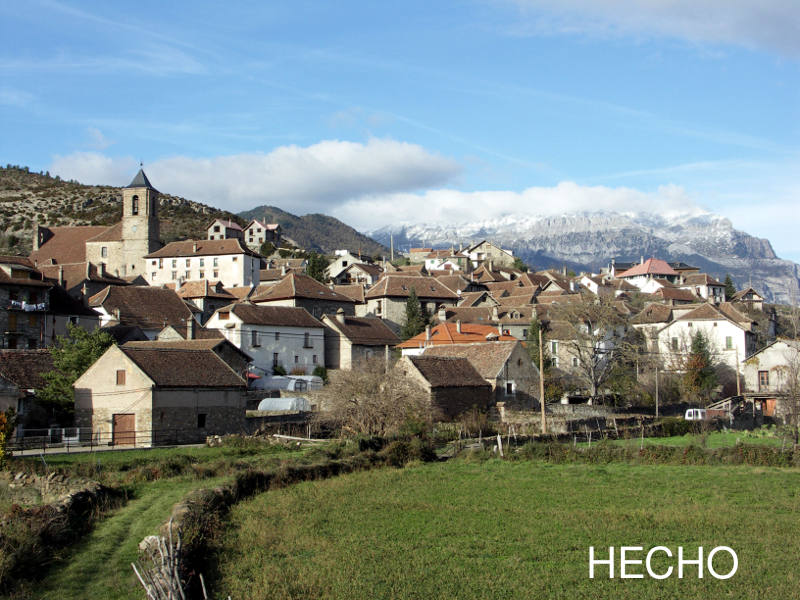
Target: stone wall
x: 28, y: 490
x: 453, y: 401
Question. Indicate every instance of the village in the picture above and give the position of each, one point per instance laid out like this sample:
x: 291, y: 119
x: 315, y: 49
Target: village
x: 207, y: 332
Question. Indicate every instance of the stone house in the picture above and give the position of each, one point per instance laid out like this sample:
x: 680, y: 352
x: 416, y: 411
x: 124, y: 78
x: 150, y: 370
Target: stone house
x: 704, y: 286
x: 235, y: 358
x: 486, y: 252
x: 446, y: 333
x: 156, y: 396
x: 20, y: 380
x: 81, y: 280
x: 507, y: 366
x: 228, y: 261
x: 350, y: 339
x: 343, y: 259
x: 258, y: 232
x: 652, y: 268
x: 302, y: 291
x: 359, y: 274
x: 206, y: 296
x: 225, y: 230
x: 24, y: 302
x: 748, y: 298
x: 273, y: 336
x: 387, y: 298
x: 453, y: 385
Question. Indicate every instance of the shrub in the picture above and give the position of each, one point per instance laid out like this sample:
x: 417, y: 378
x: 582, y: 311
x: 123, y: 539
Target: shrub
x: 278, y: 370
x: 321, y: 372
x: 674, y: 426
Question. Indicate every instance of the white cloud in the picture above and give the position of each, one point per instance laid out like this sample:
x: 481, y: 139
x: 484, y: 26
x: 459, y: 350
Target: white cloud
x: 97, y: 141
x: 770, y: 24
x: 300, y: 180
x: 451, y: 206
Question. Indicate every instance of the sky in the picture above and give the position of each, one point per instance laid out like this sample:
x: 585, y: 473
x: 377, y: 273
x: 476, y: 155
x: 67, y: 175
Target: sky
x: 450, y: 111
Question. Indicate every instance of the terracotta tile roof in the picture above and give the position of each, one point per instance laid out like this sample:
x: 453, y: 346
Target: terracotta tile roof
x: 704, y: 312
x: 517, y: 299
x: 373, y: 270
x: 399, y: 286
x: 355, y: 291
x: 204, y: 248
x: 739, y: 295
x: 483, y: 315
x: 112, y: 234
x: 418, y: 250
x: 733, y: 314
x: 275, y: 275
x: 484, y: 275
x: 533, y: 280
x: 240, y: 292
x: 196, y: 344
x: 203, y: 289
x: 488, y: 359
x: 67, y: 244
x: 700, y: 279
x: 125, y: 333
x: 145, y: 306
x: 671, y: 293
x: 74, y: 275
x: 502, y: 288
x: 7, y: 279
x: 24, y: 368
x: 267, y: 226
x: 363, y: 331
x: 447, y: 333
x: 184, y: 368
x: 653, y: 313
x: 442, y: 372
x: 652, y: 266
x: 226, y: 224
x: 470, y: 299
x: 22, y: 261
x: 280, y: 316
x: 410, y: 269
x: 299, y: 286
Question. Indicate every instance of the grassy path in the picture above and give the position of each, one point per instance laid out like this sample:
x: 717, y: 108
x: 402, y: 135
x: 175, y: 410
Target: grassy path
x: 99, y: 567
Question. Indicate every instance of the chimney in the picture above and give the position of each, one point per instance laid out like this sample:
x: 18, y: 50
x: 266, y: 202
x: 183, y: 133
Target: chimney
x: 564, y: 271
x: 500, y: 328
x: 495, y: 314
x: 194, y: 247
x: 428, y: 332
x: 116, y: 314
x: 36, y: 235
x: 283, y: 270
x: 88, y: 270
x: 340, y: 316
x: 190, y: 334
x: 491, y: 265
x: 102, y: 269
x: 641, y: 261
x: 458, y: 326
x: 442, y: 313
x: 61, y: 275
x: 85, y: 294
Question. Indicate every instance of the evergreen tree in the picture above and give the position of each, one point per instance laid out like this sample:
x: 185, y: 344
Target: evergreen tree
x: 416, y: 319
x: 519, y: 265
x: 730, y: 289
x: 700, y: 377
x: 267, y: 249
x: 72, y: 356
x: 317, y: 263
x: 532, y: 340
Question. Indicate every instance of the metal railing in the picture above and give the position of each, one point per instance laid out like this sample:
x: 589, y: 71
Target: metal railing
x: 87, y: 439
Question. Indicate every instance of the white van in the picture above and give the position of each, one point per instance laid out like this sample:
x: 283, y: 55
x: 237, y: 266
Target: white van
x: 695, y: 414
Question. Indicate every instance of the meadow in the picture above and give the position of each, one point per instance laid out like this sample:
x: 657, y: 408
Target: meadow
x: 506, y: 529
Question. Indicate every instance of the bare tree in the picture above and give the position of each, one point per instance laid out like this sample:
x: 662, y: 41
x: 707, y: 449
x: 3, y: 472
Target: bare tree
x: 790, y: 376
x: 590, y: 334
x: 375, y: 398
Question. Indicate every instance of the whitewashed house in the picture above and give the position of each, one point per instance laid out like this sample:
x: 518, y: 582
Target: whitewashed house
x: 228, y: 261
x: 273, y: 335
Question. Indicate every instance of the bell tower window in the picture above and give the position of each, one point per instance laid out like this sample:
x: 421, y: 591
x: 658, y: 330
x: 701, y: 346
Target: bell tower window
x: 135, y: 205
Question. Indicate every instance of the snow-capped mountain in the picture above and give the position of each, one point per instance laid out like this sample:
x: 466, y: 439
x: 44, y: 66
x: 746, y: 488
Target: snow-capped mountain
x: 588, y: 241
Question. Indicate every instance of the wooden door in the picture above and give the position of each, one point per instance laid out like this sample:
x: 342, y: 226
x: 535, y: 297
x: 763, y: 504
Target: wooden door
x: 124, y: 430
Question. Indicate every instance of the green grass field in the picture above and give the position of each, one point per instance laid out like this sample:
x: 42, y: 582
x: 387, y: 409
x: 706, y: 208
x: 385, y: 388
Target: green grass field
x: 716, y: 439
x: 500, y: 529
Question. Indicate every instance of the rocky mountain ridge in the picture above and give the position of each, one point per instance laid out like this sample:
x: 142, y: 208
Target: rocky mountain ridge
x: 589, y: 240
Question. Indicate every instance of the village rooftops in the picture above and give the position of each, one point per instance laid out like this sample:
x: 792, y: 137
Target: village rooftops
x: 68, y: 244
x: 202, y: 288
x: 653, y: 313
x: 441, y: 371
x: 488, y: 359
x: 278, y: 316
x: 201, y: 344
x: 145, y: 306
x: 709, y: 312
x: 400, y: 286
x: 457, y: 333
x: 363, y: 331
x: 354, y: 291
x: 183, y: 368
x: 299, y: 286
x: 202, y: 248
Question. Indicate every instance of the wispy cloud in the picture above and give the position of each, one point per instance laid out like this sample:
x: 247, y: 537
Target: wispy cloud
x: 763, y: 24
x: 13, y: 97
x: 96, y: 139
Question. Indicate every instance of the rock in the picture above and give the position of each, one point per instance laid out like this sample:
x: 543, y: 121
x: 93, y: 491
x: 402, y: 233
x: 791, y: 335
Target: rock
x: 150, y: 543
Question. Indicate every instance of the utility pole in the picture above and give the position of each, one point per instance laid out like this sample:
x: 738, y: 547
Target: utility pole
x: 738, y: 385
x: 541, y: 379
x: 391, y: 237
x: 656, y: 391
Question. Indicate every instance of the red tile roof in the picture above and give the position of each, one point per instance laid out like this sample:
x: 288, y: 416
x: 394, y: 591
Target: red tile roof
x: 488, y: 359
x: 145, y: 306
x: 363, y: 331
x: 67, y: 244
x: 202, y: 248
x: 447, y: 333
x: 299, y: 286
x: 24, y: 368
x: 652, y: 266
x: 183, y: 368
x: 280, y: 316
x: 400, y: 286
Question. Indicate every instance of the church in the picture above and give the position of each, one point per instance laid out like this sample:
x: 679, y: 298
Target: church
x: 92, y: 256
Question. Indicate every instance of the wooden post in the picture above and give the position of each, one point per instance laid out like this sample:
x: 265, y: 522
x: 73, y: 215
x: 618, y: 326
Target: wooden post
x: 656, y: 392
x: 500, y: 444
x: 738, y: 385
x: 541, y: 380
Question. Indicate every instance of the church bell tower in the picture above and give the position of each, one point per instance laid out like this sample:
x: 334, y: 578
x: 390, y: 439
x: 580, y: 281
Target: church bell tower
x: 140, y: 230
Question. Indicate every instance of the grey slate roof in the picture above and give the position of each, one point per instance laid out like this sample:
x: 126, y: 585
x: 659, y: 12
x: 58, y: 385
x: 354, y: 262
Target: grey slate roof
x: 141, y: 181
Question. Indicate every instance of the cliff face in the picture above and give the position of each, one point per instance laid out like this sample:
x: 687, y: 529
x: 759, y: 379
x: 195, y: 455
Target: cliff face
x: 589, y: 241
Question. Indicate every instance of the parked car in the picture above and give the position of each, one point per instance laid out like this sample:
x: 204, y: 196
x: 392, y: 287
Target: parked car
x: 695, y: 414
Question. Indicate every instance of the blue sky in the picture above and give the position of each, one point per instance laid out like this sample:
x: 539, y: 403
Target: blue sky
x: 445, y: 111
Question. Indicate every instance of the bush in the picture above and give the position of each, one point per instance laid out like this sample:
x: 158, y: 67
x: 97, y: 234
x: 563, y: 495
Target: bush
x: 675, y: 426
x: 278, y: 370
x: 321, y: 372
x: 399, y: 454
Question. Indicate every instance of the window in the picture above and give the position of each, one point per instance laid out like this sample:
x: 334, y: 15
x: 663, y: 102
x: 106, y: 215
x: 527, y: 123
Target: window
x: 12, y: 322
x: 33, y: 297
x: 258, y: 229
x: 153, y: 276
x: 674, y: 344
x: 202, y: 274
x: 202, y: 262
x: 211, y: 237
x: 729, y: 343
x: 509, y: 387
x: 689, y: 325
x: 104, y: 252
x: 307, y: 343
x: 135, y: 205
x: 274, y: 359
x: 174, y: 263
x: 186, y: 274
x: 574, y: 361
x: 216, y: 228
x: 378, y: 308
x: 224, y: 316
x: 32, y: 343
x: 201, y: 420
x: 13, y: 295
x: 216, y: 274
x: 554, y: 348
x: 254, y: 339
x: 12, y: 344
x: 20, y: 274
x: 216, y: 262
x: 344, y: 264
x: 314, y: 359
x: 32, y: 321
x: 174, y: 275
x: 296, y: 360
x: 121, y: 377
x: 188, y: 262
x: 160, y: 263
x: 763, y: 381
x: 277, y: 335
x: 235, y: 258
x: 525, y: 333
